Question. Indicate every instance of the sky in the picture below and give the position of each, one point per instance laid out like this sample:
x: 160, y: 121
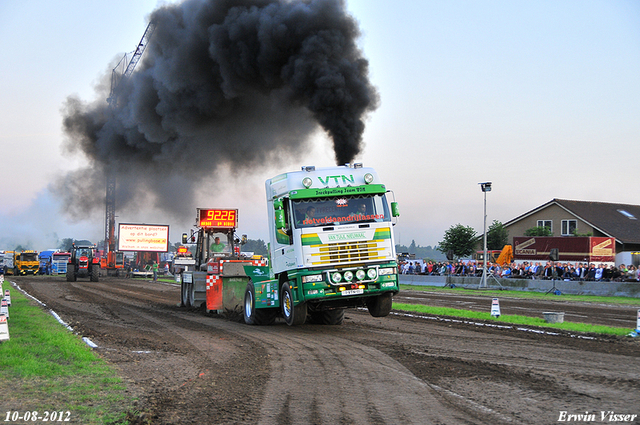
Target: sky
x: 541, y: 98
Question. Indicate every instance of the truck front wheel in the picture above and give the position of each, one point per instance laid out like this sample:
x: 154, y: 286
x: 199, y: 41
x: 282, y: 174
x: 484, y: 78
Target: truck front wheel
x: 380, y: 306
x: 293, y: 314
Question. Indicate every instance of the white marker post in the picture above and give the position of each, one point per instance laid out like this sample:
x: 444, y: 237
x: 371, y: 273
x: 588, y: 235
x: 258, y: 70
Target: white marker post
x: 4, y: 308
x: 495, y: 308
x: 4, y: 328
x: 7, y: 296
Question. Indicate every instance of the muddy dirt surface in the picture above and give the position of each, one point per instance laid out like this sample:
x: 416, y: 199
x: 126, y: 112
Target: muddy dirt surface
x: 185, y: 366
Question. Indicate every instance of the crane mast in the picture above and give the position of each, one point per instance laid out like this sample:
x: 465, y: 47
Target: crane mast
x: 116, y: 80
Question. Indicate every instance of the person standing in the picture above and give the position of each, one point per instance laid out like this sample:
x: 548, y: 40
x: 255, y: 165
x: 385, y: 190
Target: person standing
x: 154, y: 269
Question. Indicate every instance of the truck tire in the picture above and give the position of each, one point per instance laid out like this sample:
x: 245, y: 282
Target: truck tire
x: 333, y: 317
x: 71, y: 276
x: 192, y: 294
x: 95, y: 274
x: 183, y: 294
x: 380, y: 306
x: 253, y: 316
x: 294, y: 315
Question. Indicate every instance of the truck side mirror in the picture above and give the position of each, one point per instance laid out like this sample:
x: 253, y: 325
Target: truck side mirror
x: 184, y: 238
x: 394, y: 209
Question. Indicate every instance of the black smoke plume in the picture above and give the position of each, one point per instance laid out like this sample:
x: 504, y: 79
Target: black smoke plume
x: 222, y: 83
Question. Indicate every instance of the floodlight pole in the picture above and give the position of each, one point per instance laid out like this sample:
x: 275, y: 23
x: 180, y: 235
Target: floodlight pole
x: 486, y: 187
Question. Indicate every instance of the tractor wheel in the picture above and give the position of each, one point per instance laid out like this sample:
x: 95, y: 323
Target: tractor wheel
x: 95, y: 274
x: 184, y: 298
x: 380, y: 306
x: 293, y: 314
x: 250, y: 305
x: 192, y: 295
x: 71, y: 275
x: 253, y: 316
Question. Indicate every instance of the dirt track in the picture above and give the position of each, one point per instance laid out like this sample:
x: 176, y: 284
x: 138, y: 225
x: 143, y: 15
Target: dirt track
x: 187, y: 367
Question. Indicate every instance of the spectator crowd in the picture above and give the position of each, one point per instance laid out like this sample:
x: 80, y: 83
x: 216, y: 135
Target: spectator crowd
x: 549, y: 270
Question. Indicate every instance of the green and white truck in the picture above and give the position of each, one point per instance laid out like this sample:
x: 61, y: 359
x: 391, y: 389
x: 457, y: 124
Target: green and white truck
x: 331, y: 247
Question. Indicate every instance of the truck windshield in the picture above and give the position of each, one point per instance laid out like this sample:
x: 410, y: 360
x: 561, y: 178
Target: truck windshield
x: 219, y: 244
x: 340, y: 211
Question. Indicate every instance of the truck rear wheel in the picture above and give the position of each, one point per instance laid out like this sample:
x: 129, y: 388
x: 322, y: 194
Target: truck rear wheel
x: 253, y: 316
x: 333, y: 317
x: 71, y: 275
x: 380, y: 306
x: 293, y: 314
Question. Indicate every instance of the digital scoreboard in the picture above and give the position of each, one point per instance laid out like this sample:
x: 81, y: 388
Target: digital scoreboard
x: 214, y: 217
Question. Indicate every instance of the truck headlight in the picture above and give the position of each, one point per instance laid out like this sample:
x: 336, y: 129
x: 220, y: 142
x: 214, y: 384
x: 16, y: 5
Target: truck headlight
x: 348, y: 276
x: 372, y: 273
x: 360, y: 274
x: 387, y: 271
x: 312, y: 278
x: 336, y: 277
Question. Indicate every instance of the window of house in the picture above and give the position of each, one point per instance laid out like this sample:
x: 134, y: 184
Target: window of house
x: 569, y: 227
x: 545, y: 223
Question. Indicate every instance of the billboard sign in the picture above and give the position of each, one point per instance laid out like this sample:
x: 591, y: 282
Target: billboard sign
x: 143, y: 237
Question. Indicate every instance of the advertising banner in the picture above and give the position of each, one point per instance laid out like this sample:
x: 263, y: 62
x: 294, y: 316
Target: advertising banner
x: 143, y: 237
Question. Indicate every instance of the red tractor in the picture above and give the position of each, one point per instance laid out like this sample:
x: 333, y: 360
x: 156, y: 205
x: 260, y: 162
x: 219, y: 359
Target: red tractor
x: 83, y: 263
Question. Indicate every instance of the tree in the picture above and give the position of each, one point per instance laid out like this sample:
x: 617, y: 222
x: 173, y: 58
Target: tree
x: 460, y: 240
x: 412, y: 247
x: 258, y: 247
x: 538, y: 231
x: 425, y: 252
x: 497, y: 236
x: 65, y: 244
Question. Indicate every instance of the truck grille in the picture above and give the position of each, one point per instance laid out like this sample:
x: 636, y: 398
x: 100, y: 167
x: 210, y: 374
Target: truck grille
x: 348, y: 252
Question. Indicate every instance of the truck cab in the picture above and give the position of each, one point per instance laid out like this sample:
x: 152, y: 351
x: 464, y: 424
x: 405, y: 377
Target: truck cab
x: 26, y: 262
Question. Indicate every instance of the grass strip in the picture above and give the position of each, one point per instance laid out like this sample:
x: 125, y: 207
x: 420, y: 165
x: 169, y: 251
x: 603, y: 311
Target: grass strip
x: 46, y: 368
x: 511, y: 319
x: 525, y: 294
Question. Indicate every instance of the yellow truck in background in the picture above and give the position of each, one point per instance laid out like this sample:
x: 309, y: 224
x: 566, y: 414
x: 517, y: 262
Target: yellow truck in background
x: 26, y: 262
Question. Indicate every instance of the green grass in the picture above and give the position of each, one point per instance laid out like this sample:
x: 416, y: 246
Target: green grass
x: 45, y: 367
x: 511, y: 319
x: 526, y: 294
